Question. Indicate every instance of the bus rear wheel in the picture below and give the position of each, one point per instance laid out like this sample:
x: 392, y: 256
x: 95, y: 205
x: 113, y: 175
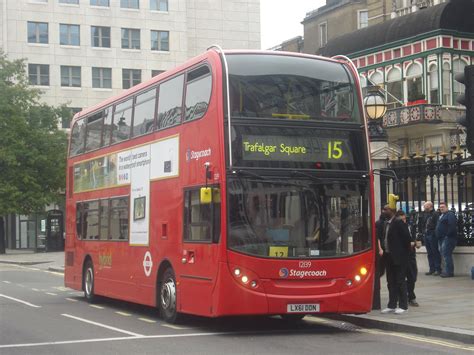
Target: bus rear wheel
x: 167, y: 300
x: 88, y: 278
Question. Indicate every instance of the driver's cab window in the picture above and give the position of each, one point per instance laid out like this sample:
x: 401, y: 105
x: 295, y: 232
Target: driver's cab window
x: 201, y: 220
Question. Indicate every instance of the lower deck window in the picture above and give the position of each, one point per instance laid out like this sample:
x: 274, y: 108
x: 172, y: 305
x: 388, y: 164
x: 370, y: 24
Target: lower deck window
x: 105, y: 219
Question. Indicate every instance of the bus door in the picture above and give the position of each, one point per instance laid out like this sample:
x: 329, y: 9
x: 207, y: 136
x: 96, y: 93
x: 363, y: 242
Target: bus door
x: 201, y: 235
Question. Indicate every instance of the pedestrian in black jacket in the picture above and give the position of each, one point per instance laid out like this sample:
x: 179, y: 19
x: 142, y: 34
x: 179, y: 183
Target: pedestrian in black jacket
x: 412, y: 269
x: 396, y: 251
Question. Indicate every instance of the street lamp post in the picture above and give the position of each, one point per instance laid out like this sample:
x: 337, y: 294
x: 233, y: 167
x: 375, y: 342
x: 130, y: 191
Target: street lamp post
x: 375, y: 108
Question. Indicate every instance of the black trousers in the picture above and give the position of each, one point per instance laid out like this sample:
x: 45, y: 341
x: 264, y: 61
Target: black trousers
x: 396, y: 282
x: 412, y: 273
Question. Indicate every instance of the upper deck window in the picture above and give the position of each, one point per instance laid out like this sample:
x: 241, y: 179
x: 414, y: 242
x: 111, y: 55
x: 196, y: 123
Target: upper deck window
x: 144, y: 115
x: 198, y: 92
x: 170, y: 102
x: 122, y: 121
x: 78, y: 134
x: 285, y: 87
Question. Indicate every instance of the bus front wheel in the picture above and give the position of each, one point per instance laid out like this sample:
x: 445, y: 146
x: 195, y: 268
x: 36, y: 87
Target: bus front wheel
x: 88, y: 278
x: 167, y: 301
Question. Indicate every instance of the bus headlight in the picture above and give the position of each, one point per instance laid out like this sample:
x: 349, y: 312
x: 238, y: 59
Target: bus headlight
x: 363, y: 271
x: 357, y: 278
x: 245, y: 277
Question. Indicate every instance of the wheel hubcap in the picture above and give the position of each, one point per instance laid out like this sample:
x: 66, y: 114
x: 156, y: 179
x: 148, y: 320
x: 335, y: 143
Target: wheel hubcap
x: 89, y: 278
x: 168, y: 295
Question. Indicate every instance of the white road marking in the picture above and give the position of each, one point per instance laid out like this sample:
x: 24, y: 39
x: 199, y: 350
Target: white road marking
x: 71, y: 299
x: 35, y: 289
x: 102, y: 325
x: 51, y: 294
x: 176, y: 327
x: 147, y: 320
x: 97, y: 340
x: 124, y: 314
x: 17, y: 300
x: 7, y: 282
x: 61, y: 288
x: 96, y: 306
x: 54, y: 273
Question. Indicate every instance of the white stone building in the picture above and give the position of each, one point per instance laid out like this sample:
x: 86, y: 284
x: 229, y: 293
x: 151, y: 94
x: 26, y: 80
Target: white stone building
x: 80, y: 52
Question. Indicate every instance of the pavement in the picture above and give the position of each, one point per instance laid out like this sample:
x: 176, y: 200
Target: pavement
x: 446, y: 304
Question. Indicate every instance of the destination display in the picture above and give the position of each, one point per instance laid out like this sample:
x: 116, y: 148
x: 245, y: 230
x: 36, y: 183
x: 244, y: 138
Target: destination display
x: 297, y: 148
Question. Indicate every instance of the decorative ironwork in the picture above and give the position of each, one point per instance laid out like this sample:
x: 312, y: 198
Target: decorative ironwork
x: 406, y: 115
x: 435, y: 177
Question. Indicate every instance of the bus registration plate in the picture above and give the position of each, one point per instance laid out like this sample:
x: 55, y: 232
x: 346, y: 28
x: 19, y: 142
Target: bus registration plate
x: 302, y: 308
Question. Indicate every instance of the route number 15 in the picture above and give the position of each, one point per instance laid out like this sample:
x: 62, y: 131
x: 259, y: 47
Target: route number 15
x: 334, y: 150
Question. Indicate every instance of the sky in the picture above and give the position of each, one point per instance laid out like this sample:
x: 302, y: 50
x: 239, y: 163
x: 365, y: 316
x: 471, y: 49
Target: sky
x: 280, y: 20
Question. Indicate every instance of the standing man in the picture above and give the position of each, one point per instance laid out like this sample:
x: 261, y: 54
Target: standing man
x: 431, y: 240
x: 396, y: 254
x: 447, y: 233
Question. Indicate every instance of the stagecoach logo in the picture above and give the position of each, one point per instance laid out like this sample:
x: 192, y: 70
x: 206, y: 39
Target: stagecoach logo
x: 147, y: 263
x: 196, y: 155
x: 283, y: 272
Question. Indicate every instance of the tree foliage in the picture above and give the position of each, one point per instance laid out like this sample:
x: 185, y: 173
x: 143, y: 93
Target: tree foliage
x: 32, y: 148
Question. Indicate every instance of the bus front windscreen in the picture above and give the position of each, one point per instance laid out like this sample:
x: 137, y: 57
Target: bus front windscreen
x: 298, y: 218
x: 290, y: 87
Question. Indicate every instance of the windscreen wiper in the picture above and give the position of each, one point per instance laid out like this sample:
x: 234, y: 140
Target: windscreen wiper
x: 301, y: 173
x: 248, y: 173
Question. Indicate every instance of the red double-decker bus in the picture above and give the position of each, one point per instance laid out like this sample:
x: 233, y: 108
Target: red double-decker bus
x: 236, y: 184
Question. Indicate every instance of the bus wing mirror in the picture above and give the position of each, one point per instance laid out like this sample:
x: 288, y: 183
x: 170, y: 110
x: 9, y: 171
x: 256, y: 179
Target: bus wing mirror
x: 206, y: 195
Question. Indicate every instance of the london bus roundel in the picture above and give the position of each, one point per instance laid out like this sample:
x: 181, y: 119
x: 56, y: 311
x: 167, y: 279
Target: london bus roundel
x: 147, y: 263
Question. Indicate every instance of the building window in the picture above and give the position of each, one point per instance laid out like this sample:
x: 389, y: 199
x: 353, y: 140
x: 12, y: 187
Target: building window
x: 75, y: 2
x: 159, y: 5
x: 414, y: 82
x: 100, y: 36
x: 156, y: 72
x: 66, y: 121
x: 131, y: 77
x: 362, y: 18
x: 37, y: 32
x: 458, y: 89
x: 102, y: 78
x: 433, y: 84
x: 446, y: 84
x: 38, y: 74
x: 394, y: 88
x: 70, y: 76
x: 105, y: 3
x: 160, y: 41
x: 130, y: 4
x: 323, y: 34
x: 130, y: 38
x: 69, y: 35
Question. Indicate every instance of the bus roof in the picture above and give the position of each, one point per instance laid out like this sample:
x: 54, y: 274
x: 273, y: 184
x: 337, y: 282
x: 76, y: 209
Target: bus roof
x: 169, y: 73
